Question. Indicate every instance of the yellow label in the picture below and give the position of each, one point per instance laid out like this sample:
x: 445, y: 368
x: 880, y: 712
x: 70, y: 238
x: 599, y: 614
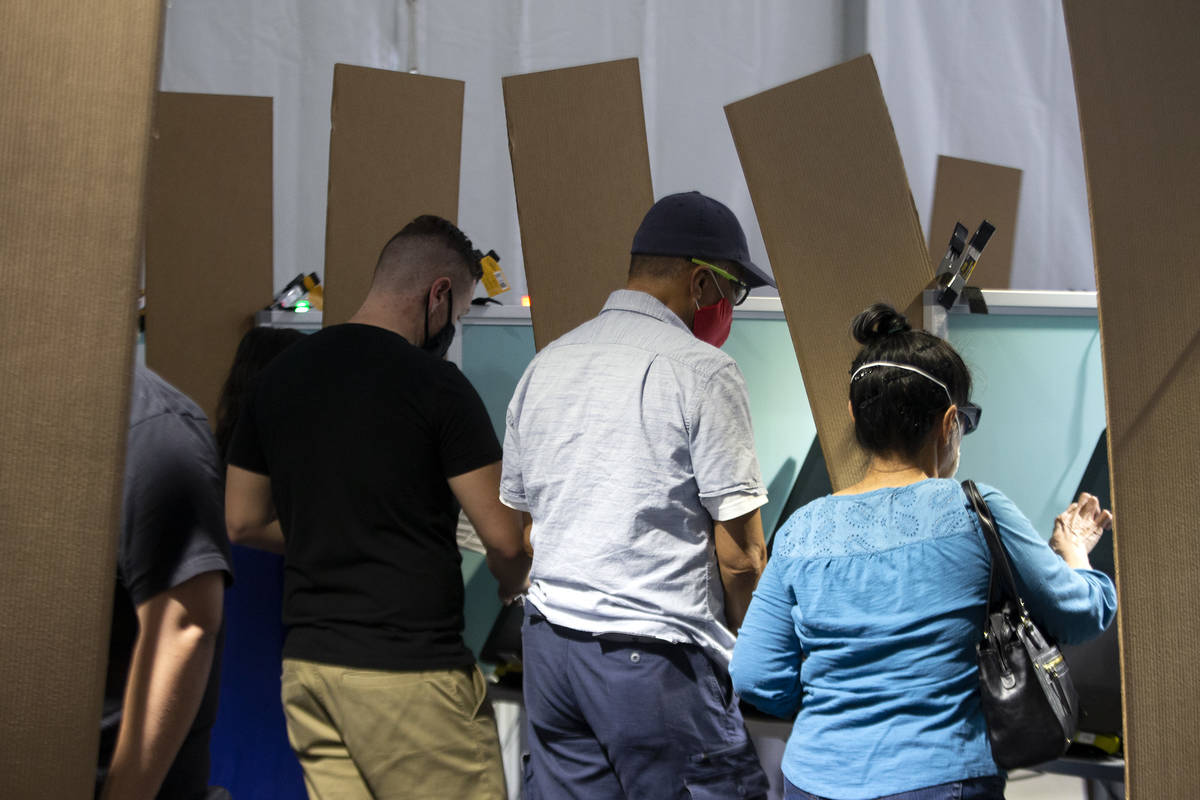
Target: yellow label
x: 493, y: 277
x: 316, y: 296
x: 967, y: 268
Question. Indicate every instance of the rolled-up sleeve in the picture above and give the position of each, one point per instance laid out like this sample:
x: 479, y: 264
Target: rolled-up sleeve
x: 732, y: 506
x: 722, y: 446
x: 766, y: 658
x: 512, y: 482
x: 1072, y: 605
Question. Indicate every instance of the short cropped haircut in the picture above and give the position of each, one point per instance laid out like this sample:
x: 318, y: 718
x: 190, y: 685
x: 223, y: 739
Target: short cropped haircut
x: 427, y: 245
x: 895, y: 409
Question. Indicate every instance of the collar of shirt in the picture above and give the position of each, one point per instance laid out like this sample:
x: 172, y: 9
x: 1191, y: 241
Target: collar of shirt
x: 642, y: 303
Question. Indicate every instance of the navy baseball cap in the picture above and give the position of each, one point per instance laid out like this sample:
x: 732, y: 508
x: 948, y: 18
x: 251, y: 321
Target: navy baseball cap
x: 691, y: 225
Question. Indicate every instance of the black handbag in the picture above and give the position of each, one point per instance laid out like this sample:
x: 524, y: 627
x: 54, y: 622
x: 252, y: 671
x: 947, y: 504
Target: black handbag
x: 1029, y: 701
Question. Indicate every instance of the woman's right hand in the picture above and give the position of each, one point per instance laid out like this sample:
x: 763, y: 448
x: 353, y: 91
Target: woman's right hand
x: 1077, y: 530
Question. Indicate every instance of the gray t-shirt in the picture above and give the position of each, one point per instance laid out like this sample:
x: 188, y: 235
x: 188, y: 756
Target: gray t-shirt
x: 172, y: 529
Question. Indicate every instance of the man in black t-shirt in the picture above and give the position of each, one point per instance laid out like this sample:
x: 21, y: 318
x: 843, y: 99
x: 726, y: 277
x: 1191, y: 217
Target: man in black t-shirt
x: 364, y: 441
x: 173, y: 563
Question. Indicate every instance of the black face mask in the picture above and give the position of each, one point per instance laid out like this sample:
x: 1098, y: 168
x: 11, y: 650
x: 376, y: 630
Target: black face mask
x: 439, y: 342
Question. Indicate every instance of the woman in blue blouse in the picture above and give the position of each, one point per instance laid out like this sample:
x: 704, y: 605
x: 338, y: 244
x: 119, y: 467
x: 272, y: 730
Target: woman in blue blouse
x: 868, y: 613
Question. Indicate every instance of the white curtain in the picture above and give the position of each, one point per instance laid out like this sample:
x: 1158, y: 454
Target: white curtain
x: 992, y: 82
x: 695, y: 56
x: 968, y: 78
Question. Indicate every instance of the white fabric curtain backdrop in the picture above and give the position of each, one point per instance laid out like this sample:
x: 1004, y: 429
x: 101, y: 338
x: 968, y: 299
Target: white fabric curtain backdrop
x: 972, y: 79
x: 992, y: 82
x: 695, y: 56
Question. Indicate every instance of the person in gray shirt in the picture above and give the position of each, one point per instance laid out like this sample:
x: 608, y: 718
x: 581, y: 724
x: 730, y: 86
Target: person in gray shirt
x: 628, y: 442
x: 173, y: 564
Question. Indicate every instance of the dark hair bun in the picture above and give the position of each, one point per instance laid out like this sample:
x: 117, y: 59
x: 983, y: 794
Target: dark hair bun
x: 878, y: 322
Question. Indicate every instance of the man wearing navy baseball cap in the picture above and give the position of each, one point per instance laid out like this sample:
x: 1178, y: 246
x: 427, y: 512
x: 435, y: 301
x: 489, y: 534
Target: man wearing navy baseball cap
x: 628, y: 442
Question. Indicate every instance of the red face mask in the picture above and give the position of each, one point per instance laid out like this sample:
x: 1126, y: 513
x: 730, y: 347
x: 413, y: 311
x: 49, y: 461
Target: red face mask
x: 712, y: 323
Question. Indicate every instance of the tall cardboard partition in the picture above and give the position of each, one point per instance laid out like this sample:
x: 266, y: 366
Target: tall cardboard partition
x: 394, y: 150
x: 208, y: 236
x: 581, y: 167
x: 969, y: 192
x: 1136, y: 72
x: 76, y: 91
x: 832, y: 198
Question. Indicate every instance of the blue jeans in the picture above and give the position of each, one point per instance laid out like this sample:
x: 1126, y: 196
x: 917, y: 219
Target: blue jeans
x: 987, y: 788
x: 610, y: 719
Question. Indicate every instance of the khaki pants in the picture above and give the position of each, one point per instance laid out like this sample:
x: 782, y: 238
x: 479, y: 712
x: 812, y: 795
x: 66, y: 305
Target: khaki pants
x: 381, y: 734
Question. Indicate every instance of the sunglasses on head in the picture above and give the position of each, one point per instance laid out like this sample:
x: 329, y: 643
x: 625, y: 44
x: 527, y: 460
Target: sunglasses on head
x: 968, y: 417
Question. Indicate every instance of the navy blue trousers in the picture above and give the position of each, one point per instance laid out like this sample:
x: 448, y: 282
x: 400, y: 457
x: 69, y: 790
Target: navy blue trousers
x: 624, y: 718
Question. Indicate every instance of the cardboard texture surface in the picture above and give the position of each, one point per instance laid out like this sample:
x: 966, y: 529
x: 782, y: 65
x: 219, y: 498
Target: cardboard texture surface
x: 208, y: 236
x: 394, y: 152
x: 1136, y: 71
x: 581, y: 167
x: 971, y: 191
x: 76, y: 91
x: 832, y: 198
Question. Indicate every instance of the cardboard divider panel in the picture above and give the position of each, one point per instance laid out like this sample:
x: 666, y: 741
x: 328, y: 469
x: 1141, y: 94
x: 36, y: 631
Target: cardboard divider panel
x: 970, y: 192
x: 1136, y: 71
x: 76, y: 92
x: 581, y: 166
x: 832, y: 198
x: 208, y: 236
x: 394, y: 151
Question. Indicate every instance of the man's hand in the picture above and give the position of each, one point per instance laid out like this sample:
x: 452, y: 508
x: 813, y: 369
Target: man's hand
x: 1077, y: 530
x: 499, y: 527
x: 168, y: 674
x: 508, y: 597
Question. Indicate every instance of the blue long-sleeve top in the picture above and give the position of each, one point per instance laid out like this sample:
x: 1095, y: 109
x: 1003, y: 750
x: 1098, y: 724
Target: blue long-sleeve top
x: 866, y: 620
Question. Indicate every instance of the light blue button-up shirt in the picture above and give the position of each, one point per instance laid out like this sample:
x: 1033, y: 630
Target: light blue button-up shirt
x: 625, y: 438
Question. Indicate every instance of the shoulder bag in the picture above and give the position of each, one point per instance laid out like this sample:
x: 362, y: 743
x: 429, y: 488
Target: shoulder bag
x: 1029, y: 701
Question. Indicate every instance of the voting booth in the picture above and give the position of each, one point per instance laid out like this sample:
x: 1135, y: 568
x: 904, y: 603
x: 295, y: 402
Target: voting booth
x: 1043, y: 362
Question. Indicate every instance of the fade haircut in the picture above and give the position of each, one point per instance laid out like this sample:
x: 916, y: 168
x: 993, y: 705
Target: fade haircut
x: 425, y: 249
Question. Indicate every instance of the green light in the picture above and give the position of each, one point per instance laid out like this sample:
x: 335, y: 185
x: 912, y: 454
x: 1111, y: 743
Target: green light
x: 301, y: 307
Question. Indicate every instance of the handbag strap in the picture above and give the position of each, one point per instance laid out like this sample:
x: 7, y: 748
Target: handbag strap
x: 1000, y: 562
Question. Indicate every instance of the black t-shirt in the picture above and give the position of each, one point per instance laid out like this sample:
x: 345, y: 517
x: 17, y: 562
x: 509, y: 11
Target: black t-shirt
x: 172, y: 529
x: 359, y: 431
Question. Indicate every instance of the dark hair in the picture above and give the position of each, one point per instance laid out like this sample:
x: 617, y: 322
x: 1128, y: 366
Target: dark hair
x: 256, y: 349
x: 423, y: 237
x: 895, y: 409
